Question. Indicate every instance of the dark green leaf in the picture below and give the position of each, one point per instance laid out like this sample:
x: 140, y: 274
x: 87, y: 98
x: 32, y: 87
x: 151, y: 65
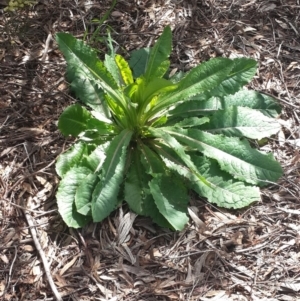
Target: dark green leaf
x: 106, y: 192
x: 171, y: 199
x: 138, y: 61
x: 73, y: 120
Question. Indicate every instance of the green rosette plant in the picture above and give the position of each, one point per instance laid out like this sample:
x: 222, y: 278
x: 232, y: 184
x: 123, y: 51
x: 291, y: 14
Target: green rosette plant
x: 147, y: 138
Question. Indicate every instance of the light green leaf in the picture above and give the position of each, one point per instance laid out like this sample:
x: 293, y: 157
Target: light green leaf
x: 161, y: 69
x: 112, y: 68
x: 171, y: 199
x: 124, y: 69
x: 223, y: 191
x: 106, y: 192
x: 203, y: 105
x: 159, y: 53
x: 83, y: 195
x: 66, y: 197
x: 234, y: 156
x: 70, y: 158
x: 241, y: 122
x: 102, y: 128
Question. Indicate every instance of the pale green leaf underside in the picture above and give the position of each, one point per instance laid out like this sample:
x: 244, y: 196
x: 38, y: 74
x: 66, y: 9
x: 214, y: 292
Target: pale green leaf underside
x: 70, y: 158
x: 234, y: 156
x: 96, y: 158
x: 241, y: 122
x: 66, y: 197
x: 84, y: 193
x: 105, y: 194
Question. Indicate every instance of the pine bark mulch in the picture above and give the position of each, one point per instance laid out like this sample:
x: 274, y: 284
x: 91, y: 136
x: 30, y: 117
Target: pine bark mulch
x: 249, y: 254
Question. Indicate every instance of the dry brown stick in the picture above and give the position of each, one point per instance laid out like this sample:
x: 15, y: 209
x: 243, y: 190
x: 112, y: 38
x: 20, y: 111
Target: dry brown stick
x: 42, y: 255
x: 10, y: 273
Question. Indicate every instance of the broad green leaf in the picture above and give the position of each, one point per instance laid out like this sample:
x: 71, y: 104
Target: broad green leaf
x: 234, y: 155
x: 66, y: 197
x: 87, y: 90
x: 195, y: 107
x: 171, y: 199
x: 147, y: 94
x: 70, y: 158
x: 84, y: 192
x: 159, y: 53
x: 151, y: 161
x: 190, y: 122
x: 96, y: 158
x: 124, y: 69
x: 241, y: 74
x: 137, y: 192
x: 138, y: 61
x: 178, y: 149
x: 73, y: 120
x: 82, y: 59
x: 102, y: 128
x: 161, y: 69
x: 222, y: 189
x: 201, y: 78
x: 241, y: 122
x: 199, y: 105
x: 105, y: 194
x: 156, y: 86
x: 254, y: 100
x: 112, y: 68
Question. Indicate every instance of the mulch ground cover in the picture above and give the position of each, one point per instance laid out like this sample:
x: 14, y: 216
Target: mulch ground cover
x: 249, y: 254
